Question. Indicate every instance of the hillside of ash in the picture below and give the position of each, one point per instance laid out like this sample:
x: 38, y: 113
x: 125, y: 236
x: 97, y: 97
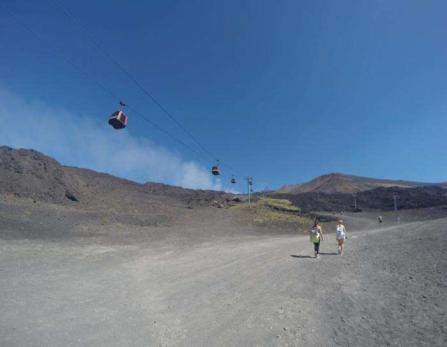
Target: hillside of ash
x: 30, y: 174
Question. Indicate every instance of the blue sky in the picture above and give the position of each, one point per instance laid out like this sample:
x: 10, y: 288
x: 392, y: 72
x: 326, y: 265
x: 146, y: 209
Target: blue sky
x: 279, y: 90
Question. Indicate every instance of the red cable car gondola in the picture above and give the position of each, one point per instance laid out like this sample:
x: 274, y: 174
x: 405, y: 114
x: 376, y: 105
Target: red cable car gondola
x: 118, y: 120
x: 215, y: 170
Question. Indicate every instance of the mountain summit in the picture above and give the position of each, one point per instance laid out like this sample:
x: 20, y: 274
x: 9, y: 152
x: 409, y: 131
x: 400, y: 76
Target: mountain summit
x: 340, y: 183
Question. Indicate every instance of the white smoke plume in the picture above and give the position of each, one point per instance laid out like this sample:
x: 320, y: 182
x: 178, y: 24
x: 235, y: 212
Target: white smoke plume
x: 84, y: 142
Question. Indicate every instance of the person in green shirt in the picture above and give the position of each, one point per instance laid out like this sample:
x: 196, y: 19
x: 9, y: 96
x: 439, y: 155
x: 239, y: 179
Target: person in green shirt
x: 316, y: 236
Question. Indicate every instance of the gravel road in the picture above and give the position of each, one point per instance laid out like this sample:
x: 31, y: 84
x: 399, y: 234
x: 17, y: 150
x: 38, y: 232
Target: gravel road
x: 388, y: 289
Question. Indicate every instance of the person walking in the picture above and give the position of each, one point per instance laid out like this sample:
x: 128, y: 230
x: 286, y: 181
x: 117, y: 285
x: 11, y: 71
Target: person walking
x: 316, y: 236
x: 340, y: 236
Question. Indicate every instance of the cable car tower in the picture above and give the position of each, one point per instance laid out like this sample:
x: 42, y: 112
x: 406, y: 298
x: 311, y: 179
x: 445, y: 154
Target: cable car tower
x: 249, y: 188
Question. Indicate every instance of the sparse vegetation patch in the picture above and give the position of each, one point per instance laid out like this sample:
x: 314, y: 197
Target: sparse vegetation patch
x: 277, y: 212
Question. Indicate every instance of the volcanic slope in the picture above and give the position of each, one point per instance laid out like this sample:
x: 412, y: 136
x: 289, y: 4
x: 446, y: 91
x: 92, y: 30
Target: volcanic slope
x: 340, y: 183
x: 34, y: 185
x: 30, y: 174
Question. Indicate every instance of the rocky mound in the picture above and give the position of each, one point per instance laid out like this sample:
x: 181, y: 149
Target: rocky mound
x: 30, y: 174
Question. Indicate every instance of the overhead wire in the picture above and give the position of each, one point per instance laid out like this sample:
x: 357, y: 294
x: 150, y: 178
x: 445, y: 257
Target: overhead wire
x: 113, y: 95
x: 118, y: 65
x: 104, y: 88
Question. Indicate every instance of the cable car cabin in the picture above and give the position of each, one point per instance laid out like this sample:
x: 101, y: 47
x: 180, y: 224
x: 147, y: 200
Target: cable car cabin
x: 233, y: 180
x: 215, y: 171
x: 118, y: 120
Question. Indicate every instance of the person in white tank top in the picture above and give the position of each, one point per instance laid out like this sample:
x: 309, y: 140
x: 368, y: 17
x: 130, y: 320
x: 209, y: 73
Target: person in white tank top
x: 340, y: 236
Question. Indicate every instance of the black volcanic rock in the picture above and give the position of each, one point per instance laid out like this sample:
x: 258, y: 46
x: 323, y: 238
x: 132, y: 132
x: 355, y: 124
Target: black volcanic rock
x: 379, y: 198
x: 29, y: 173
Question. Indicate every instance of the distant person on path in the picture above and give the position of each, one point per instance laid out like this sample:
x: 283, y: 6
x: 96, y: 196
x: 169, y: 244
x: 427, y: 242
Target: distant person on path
x: 340, y: 236
x: 380, y: 219
x: 316, y: 236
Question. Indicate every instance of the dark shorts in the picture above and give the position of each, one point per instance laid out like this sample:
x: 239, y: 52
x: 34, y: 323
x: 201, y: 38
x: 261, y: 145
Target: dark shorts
x: 317, y: 247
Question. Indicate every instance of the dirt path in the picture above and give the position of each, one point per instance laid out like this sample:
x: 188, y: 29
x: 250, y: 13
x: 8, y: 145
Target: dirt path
x: 388, y: 289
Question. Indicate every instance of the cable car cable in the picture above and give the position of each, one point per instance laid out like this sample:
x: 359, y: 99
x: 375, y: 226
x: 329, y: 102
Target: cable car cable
x: 105, y: 89
x: 113, y: 95
x: 96, y: 44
